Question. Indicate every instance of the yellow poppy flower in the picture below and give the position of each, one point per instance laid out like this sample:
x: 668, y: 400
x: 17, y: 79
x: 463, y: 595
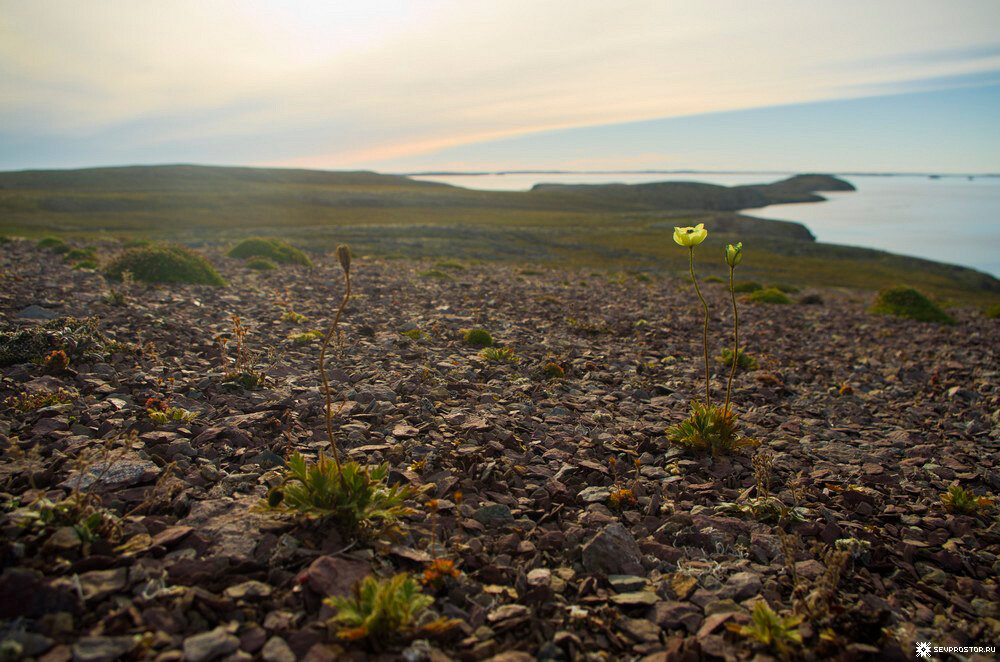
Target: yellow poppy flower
x: 690, y: 237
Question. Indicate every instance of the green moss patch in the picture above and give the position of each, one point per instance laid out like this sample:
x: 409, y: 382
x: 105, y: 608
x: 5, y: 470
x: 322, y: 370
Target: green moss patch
x: 165, y: 263
x: 746, y: 286
x: 911, y: 304
x: 769, y: 295
x: 478, y: 338
x: 273, y: 249
x: 259, y: 263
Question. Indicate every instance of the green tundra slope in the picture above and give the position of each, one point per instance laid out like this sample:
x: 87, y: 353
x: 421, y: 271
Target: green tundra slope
x: 615, y: 226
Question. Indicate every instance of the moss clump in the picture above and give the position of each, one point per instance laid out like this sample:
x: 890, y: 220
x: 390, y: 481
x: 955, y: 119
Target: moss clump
x: 165, y: 263
x: 54, y: 244
x: 553, y: 370
x: 79, y: 254
x: 478, y: 338
x: 745, y: 286
x: 454, y: 265
x: 770, y: 295
x: 787, y: 289
x: 271, y: 248
x: 993, y: 312
x: 911, y: 304
x: 259, y: 263
x: 86, y: 263
x: 436, y: 274
x: 712, y: 279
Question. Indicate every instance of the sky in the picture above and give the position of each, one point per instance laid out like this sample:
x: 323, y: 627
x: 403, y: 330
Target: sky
x: 412, y: 85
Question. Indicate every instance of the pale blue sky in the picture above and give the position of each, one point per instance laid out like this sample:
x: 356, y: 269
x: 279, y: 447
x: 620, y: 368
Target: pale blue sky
x: 400, y: 85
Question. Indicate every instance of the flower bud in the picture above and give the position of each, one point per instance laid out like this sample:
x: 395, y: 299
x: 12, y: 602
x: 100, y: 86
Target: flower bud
x: 734, y: 254
x: 344, y: 255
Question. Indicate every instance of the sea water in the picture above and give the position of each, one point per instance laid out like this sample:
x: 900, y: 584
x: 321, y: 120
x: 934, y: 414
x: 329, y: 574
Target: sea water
x: 949, y: 219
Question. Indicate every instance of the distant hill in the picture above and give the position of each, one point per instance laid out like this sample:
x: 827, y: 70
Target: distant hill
x: 615, y: 226
x: 696, y: 195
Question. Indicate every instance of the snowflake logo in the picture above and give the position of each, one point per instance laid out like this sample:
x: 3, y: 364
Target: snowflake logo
x: 923, y: 649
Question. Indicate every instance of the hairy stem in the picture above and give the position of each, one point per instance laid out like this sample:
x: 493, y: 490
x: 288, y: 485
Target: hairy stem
x: 708, y: 393
x: 736, y: 339
x: 322, y: 370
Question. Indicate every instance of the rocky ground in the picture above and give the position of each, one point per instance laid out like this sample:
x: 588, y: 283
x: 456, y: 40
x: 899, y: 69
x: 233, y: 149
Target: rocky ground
x: 864, y: 423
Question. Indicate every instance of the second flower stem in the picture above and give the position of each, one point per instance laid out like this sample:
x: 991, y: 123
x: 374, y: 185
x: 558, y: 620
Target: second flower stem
x: 708, y: 396
x: 736, y: 340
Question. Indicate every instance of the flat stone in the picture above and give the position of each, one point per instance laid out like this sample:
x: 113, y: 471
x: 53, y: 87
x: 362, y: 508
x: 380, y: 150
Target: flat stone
x: 494, y: 514
x: 117, y: 474
x: 639, y: 629
x: 98, y: 584
x: 330, y: 575
x: 672, y: 615
x: 277, y: 650
x: 742, y: 585
x: 594, y: 494
x: 613, y: 551
x: 626, y: 583
x: 248, y: 589
x: 102, y: 649
x: 637, y: 598
x: 34, y: 312
x: 209, y: 645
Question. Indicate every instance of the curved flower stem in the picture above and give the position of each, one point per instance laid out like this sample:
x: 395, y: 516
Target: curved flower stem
x: 322, y: 371
x: 736, y: 340
x: 708, y: 396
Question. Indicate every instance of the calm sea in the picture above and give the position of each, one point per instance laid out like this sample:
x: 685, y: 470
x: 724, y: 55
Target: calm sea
x: 950, y: 219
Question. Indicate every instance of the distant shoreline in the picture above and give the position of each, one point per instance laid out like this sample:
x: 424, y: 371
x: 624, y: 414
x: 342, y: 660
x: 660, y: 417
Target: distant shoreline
x: 495, y: 173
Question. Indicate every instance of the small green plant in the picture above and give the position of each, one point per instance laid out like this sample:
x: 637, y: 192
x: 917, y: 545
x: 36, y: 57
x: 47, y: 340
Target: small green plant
x: 355, y: 496
x: 260, y: 263
x: 25, y: 402
x: 777, y: 633
x: 79, y: 254
x: 87, y: 263
x: 552, y: 370
x: 54, y: 244
x: 709, y: 429
x: 453, y: 265
x: 963, y: 502
x: 292, y: 317
x: 305, y: 338
x: 165, y: 263
x: 477, y: 337
x: 744, y: 360
x: 993, y: 312
x: 911, y: 304
x: 78, y: 338
x: 56, y: 362
x: 273, y: 249
x: 499, y: 355
x: 712, y: 279
x: 746, y: 286
x: 118, y: 296
x: 413, y: 334
x: 787, y: 289
x: 171, y: 415
x: 384, y: 610
x: 769, y: 295
x: 436, y: 274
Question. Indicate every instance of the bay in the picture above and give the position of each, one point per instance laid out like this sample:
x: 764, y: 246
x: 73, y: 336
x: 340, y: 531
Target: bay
x: 951, y: 219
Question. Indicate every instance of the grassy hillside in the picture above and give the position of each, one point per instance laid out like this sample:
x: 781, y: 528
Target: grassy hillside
x: 616, y: 226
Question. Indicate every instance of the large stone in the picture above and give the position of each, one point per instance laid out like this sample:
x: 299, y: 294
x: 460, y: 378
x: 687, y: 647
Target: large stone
x: 277, y: 650
x: 493, y: 515
x: 329, y: 575
x: 671, y: 615
x: 98, y: 584
x: 209, y: 645
x: 34, y: 312
x: 613, y: 551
